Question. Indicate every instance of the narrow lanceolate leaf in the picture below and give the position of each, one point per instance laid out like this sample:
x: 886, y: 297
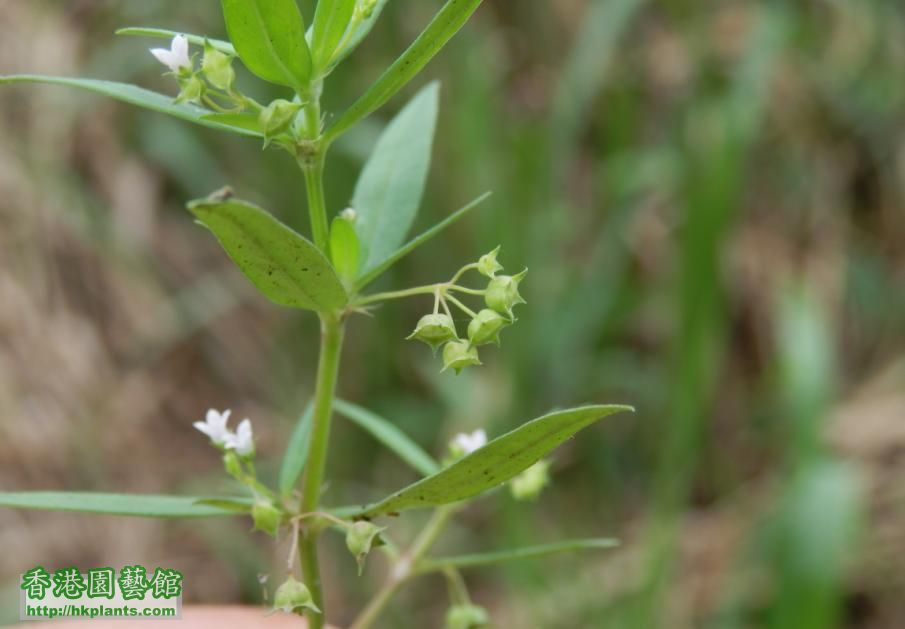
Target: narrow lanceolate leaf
x: 389, y: 435
x: 445, y: 24
x: 282, y: 264
x: 236, y: 505
x: 331, y: 19
x: 136, y: 96
x: 163, y: 33
x: 494, y: 464
x: 417, y: 241
x: 296, y: 452
x: 529, y: 552
x: 269, y: 36
x: 122, y: 504
x: 389, y: 190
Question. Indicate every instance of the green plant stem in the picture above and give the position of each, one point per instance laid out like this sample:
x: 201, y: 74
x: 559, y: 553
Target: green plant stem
x: 327, y: 372
x: 468, y: 291
x: 461, y: 306
x: 405, y: 567
x: 313, y: 168
x: 397, y: 294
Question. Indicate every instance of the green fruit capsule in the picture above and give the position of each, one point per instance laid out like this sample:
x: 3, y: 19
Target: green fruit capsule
x: 458, y: 355
x: 218, y: 68
x: 192, y: 90
x: 360, y: 538
x: 277, y: 117
x: 266, y: 517
x: 485, y: 327
x: 488, y: 265
x: 293, y: 595
x: 502, y: 293
x: 466, y: 617
x: 435, y: 330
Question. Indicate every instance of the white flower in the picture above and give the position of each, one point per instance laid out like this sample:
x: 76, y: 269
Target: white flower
x: 214, y: 426
x: 242, y: 441
x: 177, y: 57
x: 468, y: 443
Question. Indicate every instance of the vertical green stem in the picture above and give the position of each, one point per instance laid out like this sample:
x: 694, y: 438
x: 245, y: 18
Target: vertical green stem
x: 311, y: 159
x: 313, y: 167
x: 327, y: 371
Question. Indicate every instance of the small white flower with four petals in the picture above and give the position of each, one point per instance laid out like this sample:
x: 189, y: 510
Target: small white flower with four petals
x: 214, y: 426
x: 242, y: 441
x: 176, y: 58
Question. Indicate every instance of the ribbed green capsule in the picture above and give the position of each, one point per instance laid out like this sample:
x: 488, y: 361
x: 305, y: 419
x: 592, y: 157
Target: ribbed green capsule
x: 485, y: 327
x: 435, y: 330
x: 218, y: 68
x: 293, y: 595
x: 266, y: 517
x: 458, y: 355
x: 467, y: 617
x: 502, y: 293
x: 360, y: 538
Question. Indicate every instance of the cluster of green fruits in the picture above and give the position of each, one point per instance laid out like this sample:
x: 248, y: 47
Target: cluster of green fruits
x: 500, y: 296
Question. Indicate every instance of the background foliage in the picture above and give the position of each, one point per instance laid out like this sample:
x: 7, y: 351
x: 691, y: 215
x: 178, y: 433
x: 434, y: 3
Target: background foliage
x: 709, y: 197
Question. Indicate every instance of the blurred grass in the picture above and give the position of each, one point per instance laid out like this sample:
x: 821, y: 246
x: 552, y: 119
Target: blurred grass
x: 709, y: 199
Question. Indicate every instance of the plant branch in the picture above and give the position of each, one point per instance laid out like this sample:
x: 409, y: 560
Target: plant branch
x: 397, y: 294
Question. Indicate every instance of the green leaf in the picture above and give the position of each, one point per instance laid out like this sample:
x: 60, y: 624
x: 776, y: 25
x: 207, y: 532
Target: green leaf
x: 162, y: 33
x: 244, y: 121
x: 389, y: 190
x: 389, y: 435
x: 529, y: 552
x: 135, y: 95
x: 296, y: 452
x: 445, y: 24
x: 344, y: 249
x: 414, y: 243
x: 494, y: 464
x: 331, y: 19
x: 269, y: 36
x: 282, y: 264
x: 120, y: 504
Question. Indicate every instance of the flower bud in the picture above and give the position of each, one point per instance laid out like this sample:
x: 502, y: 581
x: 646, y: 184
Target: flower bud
x: 192, y: 90
x: 266, y: 517
x: 367, y: 8
x: 434, y: 329
x: 232, y: 465
x: 485, y: 327
x: 466, y: 616
x: 465, y: 443
x: 488, y: 265
x: 458, y: 355
x: 217, y: 67
x: 349, y: 214
x: 293, y: 595
x: 529, y: 484
x: 277, y: 117
x: 502, y: 293
x: 360, y: 537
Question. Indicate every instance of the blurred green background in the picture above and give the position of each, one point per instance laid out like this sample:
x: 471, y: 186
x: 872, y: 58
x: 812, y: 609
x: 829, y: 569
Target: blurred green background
x: 709, y: 197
